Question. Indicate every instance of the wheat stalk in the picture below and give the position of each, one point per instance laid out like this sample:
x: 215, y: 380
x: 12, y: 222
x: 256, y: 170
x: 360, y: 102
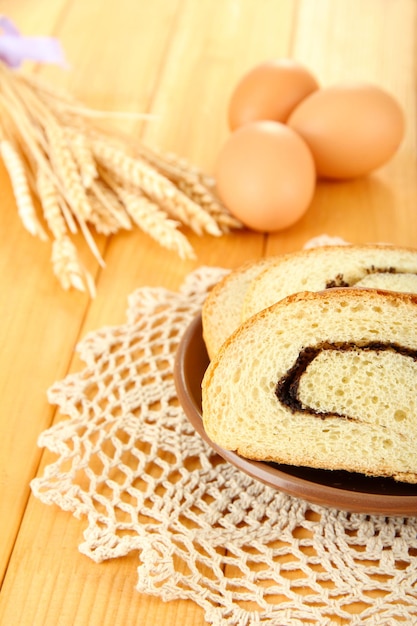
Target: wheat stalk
x: 153, y: 221
x: 21, y: 188
x: 141, y: 175
x: 50, y: 200
x: 68, y: 268
x: 67, y: 169
x: 86, y: 176
x: 108, y: 213
x: 83, y: 156
x: 65, y: 262
x: 194, y: 183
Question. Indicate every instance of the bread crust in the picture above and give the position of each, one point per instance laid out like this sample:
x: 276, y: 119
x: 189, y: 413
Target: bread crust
x: 221, y: 310
x: 234, y: 298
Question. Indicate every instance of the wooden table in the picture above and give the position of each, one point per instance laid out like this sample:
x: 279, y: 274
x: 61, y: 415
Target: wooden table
x: 178, y: 59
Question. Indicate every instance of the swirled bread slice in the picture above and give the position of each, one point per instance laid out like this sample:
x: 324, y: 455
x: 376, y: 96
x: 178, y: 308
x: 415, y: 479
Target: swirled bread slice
x: 325, y: 380
x: 386, y: 266
x: 222, y: 308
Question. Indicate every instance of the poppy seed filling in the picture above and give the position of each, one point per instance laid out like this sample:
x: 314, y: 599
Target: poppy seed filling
x: 287, y: 388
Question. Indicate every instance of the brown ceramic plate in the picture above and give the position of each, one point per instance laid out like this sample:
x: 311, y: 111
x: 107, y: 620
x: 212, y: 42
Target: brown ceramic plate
x: 343, y: 490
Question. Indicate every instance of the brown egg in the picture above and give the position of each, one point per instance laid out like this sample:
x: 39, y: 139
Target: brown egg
x: 350, y: 129
x: 270, y: 91
x: 265, y: 175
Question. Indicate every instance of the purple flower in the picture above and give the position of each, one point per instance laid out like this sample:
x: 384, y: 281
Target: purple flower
x: 16, y: 48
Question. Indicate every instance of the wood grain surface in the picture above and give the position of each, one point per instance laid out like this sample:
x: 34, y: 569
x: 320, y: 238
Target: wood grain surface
x: 179, y: 61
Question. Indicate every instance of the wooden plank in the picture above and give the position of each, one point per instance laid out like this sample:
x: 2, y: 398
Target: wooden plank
x: 35, y: 19
x: 372, y: 42
x: 146, y: 262
x: 49, y: 583
x: 39, y: 325
x: 40, y: 322
x: 215, y: 44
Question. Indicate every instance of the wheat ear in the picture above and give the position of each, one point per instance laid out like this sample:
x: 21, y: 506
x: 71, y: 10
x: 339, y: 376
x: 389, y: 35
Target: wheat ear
x: 83, y: 156
x: 140, y: 174
x: 155, y: 222
x: 67, y: 268
x: 21, y: 189
x: 50, y: 201
x: 195, y: 184
x: 67, y: 169
x: 107, y: 212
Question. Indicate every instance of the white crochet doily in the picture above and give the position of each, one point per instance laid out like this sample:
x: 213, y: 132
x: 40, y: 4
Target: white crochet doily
x: 130, y: 462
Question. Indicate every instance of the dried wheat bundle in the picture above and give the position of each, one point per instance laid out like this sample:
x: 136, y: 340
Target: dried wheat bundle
x: 69, y: 174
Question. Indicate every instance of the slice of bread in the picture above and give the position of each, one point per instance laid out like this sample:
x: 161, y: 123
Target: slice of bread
x: 223, y: 306
x: 330, y: 266
x: 325, y: 380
